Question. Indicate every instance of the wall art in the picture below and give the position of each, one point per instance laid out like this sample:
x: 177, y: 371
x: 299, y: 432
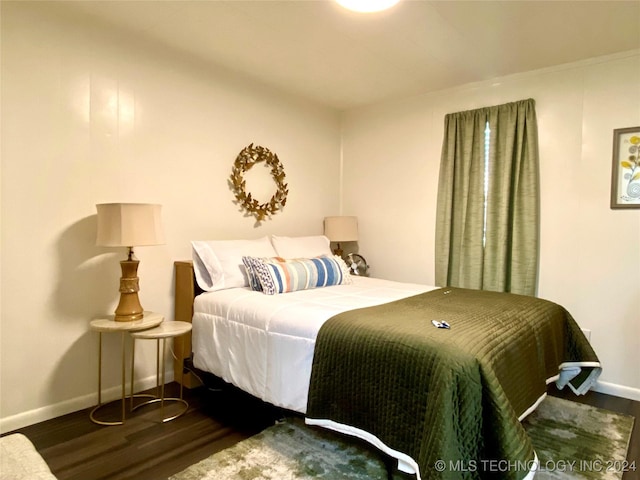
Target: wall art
x: 625, y: 172
x: 246, y: 159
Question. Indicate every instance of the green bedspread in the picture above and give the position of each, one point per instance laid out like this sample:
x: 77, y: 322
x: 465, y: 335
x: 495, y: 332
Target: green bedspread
x: 454, y: 395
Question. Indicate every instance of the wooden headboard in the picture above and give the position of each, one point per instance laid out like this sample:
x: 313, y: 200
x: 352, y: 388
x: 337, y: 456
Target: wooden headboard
x: 186, y: 290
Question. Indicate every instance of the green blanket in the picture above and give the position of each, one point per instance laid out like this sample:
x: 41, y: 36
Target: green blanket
x: 455, y: 394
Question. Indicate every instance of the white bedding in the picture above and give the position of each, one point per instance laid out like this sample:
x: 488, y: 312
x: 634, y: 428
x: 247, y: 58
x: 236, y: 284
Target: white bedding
x: 264, y: 344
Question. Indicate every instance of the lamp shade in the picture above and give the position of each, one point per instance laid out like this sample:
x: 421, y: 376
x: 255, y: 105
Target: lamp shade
x: 129, y: 224
x: 341, y: 229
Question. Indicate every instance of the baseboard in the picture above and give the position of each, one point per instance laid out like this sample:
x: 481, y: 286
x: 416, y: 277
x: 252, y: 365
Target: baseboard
x: 617, y: 390
x: 48, y: 412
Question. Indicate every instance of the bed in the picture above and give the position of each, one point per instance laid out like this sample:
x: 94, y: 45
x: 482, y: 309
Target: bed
x: 363, y: 356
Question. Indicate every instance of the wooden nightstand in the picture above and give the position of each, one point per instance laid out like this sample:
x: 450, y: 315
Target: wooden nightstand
x: 162, y: 332
x: 109, y: 325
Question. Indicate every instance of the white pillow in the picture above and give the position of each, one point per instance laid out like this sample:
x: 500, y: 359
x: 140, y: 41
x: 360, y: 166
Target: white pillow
x: 218, y: 263
x: 301, y: 247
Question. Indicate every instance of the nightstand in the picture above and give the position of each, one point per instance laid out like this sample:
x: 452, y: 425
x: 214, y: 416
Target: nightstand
x: 109, y: 325
x: 162, y: 332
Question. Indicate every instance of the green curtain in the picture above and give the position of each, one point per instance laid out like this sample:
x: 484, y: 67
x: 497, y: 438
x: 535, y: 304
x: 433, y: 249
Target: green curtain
x: 503, y: 256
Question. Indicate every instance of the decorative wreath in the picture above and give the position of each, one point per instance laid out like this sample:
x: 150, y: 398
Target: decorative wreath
x: 246, y: 159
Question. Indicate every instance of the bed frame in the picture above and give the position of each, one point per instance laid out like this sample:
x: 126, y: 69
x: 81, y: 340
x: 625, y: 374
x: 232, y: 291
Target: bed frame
x: 186, y: 289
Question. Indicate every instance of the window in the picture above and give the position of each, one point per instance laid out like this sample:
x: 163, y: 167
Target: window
x: 488, y: 208
x: 487, y: 139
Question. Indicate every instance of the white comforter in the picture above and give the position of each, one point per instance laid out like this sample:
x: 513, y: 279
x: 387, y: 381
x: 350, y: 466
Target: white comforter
x: 264, y: 344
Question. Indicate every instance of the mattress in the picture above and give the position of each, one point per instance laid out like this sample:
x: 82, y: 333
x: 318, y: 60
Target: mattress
x: 264, y: 344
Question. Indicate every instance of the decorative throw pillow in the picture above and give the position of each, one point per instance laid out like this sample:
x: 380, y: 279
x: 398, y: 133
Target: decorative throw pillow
x: 346, y: 271
x: 252, y: 265
x: 277, y: 275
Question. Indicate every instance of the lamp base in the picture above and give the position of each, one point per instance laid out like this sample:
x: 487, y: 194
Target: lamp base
x: 129, y: 308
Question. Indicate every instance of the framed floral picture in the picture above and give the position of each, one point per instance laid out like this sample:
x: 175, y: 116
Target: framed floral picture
x: 625, y: 172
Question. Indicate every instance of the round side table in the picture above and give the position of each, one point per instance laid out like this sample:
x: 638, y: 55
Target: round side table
x: 109, y: 325
x: 162, y: 332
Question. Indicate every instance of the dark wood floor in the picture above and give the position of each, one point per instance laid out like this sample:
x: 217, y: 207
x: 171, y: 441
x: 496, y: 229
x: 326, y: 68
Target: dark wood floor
x: 146, y: 449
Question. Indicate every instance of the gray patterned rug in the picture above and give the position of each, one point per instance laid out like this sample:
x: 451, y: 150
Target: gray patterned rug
x: 576, y: 441
x: 573, y: 441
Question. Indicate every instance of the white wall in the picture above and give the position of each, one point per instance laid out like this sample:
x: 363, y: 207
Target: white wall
x: 590, y: 255
x: 91, y: 115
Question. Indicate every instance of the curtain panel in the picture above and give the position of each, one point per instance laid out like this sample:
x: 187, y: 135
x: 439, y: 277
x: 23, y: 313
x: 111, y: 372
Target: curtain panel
x: 489, y: 241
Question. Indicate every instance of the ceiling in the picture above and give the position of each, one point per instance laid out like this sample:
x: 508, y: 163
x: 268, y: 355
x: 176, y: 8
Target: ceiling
x: 342, y: 59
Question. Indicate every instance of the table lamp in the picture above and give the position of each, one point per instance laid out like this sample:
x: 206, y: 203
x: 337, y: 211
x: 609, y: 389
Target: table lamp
x: 129, y: 225
x: 341, y: 229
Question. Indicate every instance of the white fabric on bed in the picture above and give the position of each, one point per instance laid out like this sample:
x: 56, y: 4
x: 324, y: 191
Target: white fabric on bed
x: 301, y: 247
x: 217, y: 264
x: 264, y: 343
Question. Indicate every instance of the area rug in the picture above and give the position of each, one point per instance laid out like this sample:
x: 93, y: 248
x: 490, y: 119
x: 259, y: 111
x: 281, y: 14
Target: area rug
x: 577, y: 441
x: 573, y: 441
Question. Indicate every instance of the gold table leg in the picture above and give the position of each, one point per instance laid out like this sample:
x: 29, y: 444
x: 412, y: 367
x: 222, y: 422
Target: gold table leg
x: 123, y: 397
x: 160, y: 383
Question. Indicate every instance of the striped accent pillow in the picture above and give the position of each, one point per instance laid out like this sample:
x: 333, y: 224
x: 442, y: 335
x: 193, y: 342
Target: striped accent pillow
x: 277, y: 275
